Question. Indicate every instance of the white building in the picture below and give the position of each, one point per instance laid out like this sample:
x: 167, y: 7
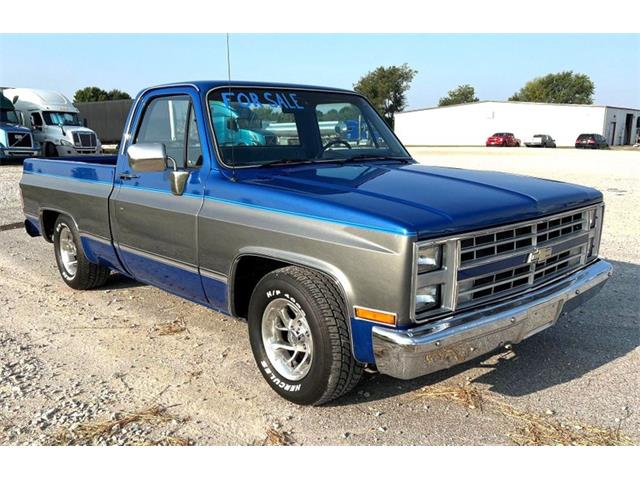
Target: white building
x: 472, y: 123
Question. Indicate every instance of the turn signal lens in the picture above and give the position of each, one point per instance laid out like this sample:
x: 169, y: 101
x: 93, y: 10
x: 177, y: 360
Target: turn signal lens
x: 376, y: 316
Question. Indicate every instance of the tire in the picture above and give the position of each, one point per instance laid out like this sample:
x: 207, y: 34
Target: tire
x: 325, y: 363
x: 68, y: 247
x: 50, y: 150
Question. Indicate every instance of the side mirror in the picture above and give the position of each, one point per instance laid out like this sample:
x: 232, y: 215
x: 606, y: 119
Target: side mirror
x: 178, y: 180
x: 232, y: 124
x: 152, y: 157
x: 147, y: 157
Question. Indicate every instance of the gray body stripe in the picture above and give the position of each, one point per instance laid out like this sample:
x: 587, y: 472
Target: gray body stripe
x: 220, y: 277
x: 157, y: 258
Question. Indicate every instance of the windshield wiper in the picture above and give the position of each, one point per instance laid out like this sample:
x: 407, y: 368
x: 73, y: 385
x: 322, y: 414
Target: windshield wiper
x: 288, y: 161
x: 364, y: 157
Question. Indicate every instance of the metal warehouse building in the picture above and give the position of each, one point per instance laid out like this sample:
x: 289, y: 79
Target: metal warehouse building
x: 472, y: 123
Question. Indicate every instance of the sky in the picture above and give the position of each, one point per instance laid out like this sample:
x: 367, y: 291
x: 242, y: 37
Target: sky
x: 497, y: 65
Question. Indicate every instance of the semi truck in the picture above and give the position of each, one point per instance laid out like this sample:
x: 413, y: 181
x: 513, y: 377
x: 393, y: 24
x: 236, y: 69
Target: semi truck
x: 16, y: 141
x: 54, y: 122
x: 340, y: 255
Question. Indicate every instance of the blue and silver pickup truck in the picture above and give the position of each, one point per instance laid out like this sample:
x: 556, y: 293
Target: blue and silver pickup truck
x: 340, y: 251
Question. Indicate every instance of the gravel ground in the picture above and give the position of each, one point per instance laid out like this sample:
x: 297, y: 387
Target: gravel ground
x: 130, y: 364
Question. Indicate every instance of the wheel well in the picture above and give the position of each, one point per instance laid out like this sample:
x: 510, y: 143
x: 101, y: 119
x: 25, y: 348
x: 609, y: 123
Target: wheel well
x: 48, y: 223
x: 248, y: 272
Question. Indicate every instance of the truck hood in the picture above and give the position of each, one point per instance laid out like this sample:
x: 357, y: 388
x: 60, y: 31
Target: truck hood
x: 13, y: 127
x: 418, y: 199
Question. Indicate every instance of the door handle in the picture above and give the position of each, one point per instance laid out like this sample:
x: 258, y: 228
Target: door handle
x: 128, y: 176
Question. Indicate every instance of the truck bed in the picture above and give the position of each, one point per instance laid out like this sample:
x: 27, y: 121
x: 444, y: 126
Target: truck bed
x: 79, y: 186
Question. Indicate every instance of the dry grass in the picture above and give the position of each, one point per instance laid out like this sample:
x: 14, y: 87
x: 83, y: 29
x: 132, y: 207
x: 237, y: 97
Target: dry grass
x: 531, y: 428
x: 277, y: 437
x: 469, y: 397
x: 91, y: 432
x: 170, y: 328
x: 171, y: 441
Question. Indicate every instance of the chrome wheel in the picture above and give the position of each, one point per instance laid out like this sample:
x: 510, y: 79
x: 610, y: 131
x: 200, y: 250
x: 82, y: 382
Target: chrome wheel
x: 68, y: 251
x: 287, y: 340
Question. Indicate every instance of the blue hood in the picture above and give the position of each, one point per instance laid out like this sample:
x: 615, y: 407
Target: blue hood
x: 415, y: 199
x: 13, y: 127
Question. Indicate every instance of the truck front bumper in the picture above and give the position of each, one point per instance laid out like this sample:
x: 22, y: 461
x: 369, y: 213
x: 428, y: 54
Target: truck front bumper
x: 453, y: 340
x: 17, y: 153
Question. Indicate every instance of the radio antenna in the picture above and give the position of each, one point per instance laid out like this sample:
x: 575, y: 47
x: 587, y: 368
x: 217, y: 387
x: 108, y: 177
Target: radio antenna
x: 233, y: 160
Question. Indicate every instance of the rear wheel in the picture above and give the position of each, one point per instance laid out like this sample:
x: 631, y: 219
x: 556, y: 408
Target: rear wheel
x: 74, y: 267
x: 300, y: 338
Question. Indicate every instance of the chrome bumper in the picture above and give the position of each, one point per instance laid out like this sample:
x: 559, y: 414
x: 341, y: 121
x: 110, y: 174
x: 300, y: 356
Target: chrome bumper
x: 453, y: 340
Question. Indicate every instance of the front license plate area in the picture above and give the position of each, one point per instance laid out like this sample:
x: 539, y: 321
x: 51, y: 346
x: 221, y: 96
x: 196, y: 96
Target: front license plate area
x: 542, y: 317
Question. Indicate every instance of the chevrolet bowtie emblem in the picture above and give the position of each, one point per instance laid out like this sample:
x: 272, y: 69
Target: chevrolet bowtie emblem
x: 539, y: 255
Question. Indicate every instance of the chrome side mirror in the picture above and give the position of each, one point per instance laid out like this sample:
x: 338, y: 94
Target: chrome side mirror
x: 147, y: 157
x: 178, y: 178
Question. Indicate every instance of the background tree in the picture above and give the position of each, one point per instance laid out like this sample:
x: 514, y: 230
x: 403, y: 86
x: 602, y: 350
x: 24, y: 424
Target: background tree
x: 463, y: 94
x: 563, y: 87
x: 116, y: 94
x: 96, y: 94
x: 386, y: 88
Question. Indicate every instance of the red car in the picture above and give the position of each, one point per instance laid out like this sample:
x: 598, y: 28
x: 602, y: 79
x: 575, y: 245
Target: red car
x: 503, y: 140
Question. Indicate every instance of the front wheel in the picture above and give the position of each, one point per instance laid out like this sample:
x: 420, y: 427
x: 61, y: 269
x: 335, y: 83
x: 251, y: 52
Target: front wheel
x: 76, y: 270
x: 300, y: 337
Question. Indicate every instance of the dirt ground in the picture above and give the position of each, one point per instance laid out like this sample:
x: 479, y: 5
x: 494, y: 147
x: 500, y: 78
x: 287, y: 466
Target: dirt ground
x: 130, y: 364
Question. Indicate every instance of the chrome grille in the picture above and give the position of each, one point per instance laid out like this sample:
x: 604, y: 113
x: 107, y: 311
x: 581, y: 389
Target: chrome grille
x: 507, y: 260
x: 19, y: 140
x: 84, y: 140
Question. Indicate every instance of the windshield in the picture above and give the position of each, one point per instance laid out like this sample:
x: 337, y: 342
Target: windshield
x: 61, y: 118
x: 8, y: 116
x: 259, y: 126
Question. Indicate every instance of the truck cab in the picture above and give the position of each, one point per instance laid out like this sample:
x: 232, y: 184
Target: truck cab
x: 54, y: 122
x: 16, y: 141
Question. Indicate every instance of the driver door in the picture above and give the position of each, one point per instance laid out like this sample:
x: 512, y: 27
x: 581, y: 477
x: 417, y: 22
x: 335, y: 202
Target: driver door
x: 154, y: 230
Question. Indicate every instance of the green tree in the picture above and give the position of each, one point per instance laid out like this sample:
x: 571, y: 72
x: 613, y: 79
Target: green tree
x: 96, y: 94
x: 563, y: 87
x: 116, y: 94
x: 386, y: 88
x: 463, y: 94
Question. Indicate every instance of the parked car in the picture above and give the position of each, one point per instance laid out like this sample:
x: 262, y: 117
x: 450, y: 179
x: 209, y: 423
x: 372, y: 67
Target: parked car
x: 541, y: 141
x: 591, y: 140
x: 503, y: 140
x: 16, y: 141
x: 54, y: 122
x: 342, y: 255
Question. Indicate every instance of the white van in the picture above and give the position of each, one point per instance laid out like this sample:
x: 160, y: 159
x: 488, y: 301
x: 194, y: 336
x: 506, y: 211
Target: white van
x: 54, y: 121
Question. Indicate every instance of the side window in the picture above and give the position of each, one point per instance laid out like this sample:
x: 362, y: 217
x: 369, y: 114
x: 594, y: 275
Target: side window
x: 36, y: 119
x: 165, y: 121
x: 194, y: 149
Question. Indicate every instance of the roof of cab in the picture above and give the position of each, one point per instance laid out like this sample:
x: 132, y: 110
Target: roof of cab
x: 206, y: 85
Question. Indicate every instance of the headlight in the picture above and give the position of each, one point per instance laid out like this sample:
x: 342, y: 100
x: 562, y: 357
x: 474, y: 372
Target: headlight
x: 429, y: 258
x: 66, y: 143
x: 435, y: 269
x: 592, y: 218
x: 427, y: 297
x: 595, y: 223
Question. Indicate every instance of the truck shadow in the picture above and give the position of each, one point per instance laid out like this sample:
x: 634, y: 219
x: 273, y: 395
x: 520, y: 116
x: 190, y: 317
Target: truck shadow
x: 602, y: 330
x: 117, y: 281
